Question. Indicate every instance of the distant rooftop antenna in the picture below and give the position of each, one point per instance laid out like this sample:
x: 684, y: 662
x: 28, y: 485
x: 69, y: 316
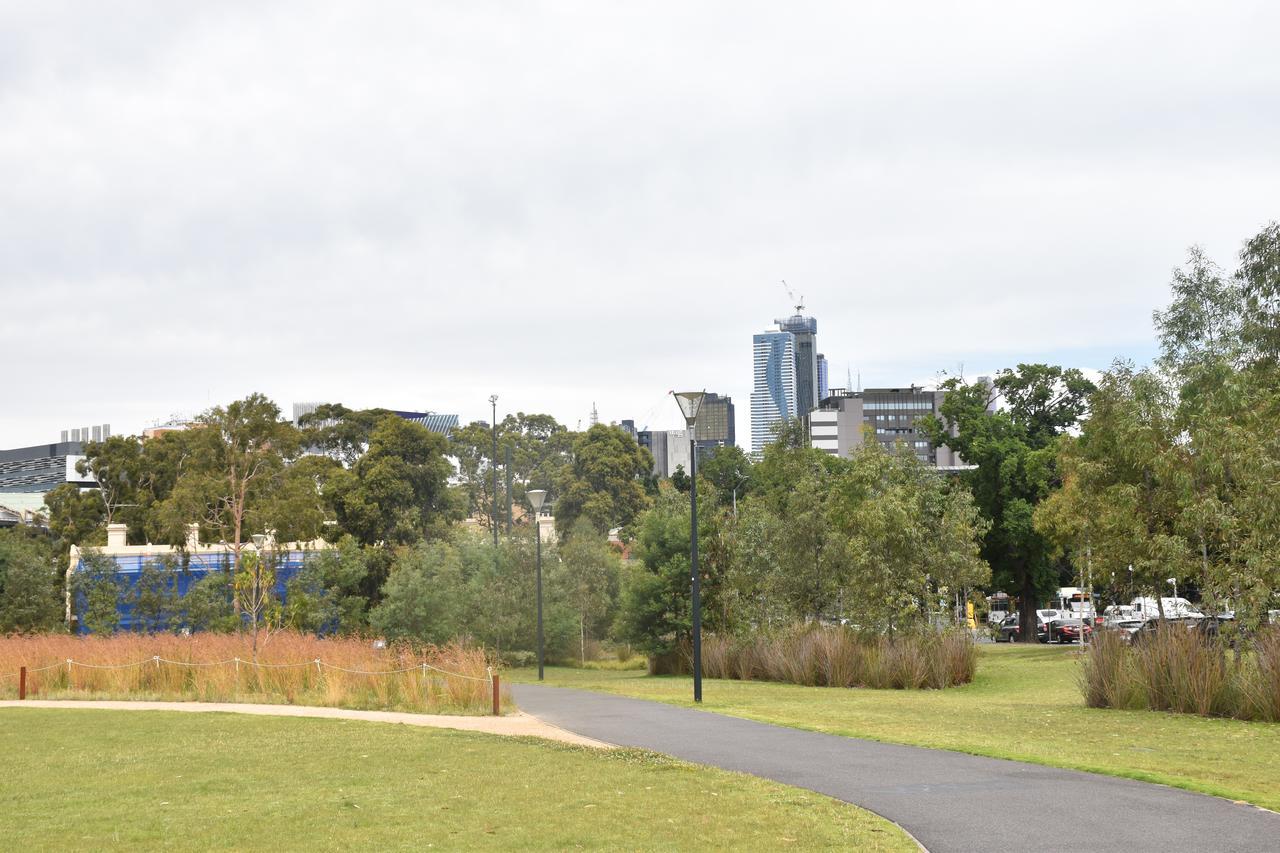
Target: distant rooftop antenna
x: 797, y: 301
x: 595, y: 415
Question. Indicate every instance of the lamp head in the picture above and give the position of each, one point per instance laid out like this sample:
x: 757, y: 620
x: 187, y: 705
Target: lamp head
x: 259, y: 540
x: 689, y: 402
x: 536, y: 498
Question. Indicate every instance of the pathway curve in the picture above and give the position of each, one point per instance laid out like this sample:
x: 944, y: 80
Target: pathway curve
x: 947, y: 800
x: 510, y: 724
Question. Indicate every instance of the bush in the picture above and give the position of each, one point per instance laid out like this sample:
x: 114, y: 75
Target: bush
x: 843, y: 657
x: 1185, y: 671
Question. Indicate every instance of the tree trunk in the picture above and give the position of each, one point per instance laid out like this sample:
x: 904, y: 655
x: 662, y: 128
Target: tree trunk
x: 1027, y: 609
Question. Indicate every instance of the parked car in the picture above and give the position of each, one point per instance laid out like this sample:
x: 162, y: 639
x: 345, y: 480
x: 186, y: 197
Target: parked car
x: 1068, y: 630
x: 1009, y: 630
x: 1124, y: 619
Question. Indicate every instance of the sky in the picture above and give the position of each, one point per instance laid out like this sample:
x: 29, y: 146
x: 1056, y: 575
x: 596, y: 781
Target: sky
x: 416, y: 205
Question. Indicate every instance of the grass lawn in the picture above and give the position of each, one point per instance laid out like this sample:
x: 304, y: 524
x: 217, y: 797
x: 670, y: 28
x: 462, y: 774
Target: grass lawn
x: 127, y: 779
x: 1024, y: 704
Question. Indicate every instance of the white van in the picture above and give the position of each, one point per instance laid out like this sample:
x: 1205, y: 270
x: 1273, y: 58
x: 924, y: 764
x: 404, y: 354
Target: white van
x: 1174, y: 608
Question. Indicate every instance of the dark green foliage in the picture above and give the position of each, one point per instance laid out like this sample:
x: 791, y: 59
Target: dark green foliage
x: 153, y: 596
x: 605, y: 481
x: 1015, y: 450
x: 395, y: 493
x: 207, y: 606
x: 29, y: 592
x: 95, y: 590
x: 324, y: 596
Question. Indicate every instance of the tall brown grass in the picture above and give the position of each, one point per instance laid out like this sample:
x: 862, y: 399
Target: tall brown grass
x: 841, y: 657
x: 1181, y: 670
x: 202, y: 667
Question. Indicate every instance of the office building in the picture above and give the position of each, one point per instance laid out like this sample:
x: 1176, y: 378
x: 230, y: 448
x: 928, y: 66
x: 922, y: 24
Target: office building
x: 773, y: 394
x: 44, y: 467
x: 716, y: 425
x: 823, y: 386
x: 669, y: 448
x: 891, y: 416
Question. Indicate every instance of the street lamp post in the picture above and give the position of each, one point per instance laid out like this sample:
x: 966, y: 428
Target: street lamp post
x: 690, y: 402
x: 536, y: 497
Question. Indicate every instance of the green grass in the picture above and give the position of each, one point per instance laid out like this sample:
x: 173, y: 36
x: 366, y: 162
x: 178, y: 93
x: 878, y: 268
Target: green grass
x: 1024, y: 704
x: 128, y: 779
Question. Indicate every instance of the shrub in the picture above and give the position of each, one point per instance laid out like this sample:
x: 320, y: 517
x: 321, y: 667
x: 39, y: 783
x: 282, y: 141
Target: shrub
x: 842, y: 657
x: 1185, y: 671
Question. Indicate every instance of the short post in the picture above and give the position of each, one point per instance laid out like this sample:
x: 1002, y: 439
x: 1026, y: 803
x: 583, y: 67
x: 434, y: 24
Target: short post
x: 22, y: 682
x: 497, y: 705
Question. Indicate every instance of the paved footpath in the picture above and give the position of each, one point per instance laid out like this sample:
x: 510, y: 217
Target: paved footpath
x: 947, y: 800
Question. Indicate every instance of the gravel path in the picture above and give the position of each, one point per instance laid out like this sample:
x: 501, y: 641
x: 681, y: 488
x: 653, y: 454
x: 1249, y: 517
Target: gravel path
x: 947, y: 800
x: 511, y: 724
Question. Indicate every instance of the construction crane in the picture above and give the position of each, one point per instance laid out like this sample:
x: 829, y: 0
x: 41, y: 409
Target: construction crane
x: 797, y: 301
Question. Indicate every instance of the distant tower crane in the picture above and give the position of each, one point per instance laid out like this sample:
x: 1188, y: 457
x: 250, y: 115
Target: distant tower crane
x: 797, y: 301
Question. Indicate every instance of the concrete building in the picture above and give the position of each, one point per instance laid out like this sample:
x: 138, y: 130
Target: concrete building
x: 773, y: 394
x: 846, y: 419
x: 669, y: 447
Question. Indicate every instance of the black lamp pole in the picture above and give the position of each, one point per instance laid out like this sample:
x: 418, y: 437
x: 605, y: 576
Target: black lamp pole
x: 690, y: 402
x: 536, y: 497
x: 693, y: 559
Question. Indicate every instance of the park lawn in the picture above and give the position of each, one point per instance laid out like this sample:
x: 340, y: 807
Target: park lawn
x: 93, y: 780
x: 1024, y: 704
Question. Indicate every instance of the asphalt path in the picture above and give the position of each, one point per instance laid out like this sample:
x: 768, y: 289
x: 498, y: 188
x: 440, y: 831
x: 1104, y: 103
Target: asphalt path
x: 946, y: 800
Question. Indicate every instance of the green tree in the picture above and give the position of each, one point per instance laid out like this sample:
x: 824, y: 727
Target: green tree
x: 1014, y: 450
x: 96, y: 593
x: 585, y: 576
x: 424, y: 597
x: 207, y: 606
x: 605, y: 481
x: 153, y: 596
x: 396, y: 492
x: 29, y: 600
x: 910, y: 538
x: 76, y: 517
x: 325, y: 595
x: 655, y: 610
x: 728, y: 470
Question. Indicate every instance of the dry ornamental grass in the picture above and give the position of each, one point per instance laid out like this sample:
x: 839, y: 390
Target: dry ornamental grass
x: 292, y: 668
x: 842, y: 657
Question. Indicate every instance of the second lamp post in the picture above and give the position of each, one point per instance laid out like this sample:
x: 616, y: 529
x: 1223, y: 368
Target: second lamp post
x: 690, y: 402
x: 536, y: 497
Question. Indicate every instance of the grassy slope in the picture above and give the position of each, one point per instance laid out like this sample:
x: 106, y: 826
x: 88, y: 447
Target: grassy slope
x: 1024, y: 704
x: 119, y: 780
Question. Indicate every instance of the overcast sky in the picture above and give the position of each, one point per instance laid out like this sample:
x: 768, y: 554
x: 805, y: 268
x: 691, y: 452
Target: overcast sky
x: 417, y: 205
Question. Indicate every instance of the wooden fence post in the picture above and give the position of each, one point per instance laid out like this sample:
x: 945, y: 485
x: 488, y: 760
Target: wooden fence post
x: 22, y: 682
x: 497, y: 706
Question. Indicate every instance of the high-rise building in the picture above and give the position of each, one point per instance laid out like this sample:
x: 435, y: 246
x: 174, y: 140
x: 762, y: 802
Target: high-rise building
x: 805, y: 330
x: 715, y: 427
x: 773, y: 395
x: 824, y: 387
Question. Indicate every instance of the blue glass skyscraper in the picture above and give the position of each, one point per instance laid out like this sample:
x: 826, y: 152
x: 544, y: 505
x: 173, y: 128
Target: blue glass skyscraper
x: 773, y: 395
